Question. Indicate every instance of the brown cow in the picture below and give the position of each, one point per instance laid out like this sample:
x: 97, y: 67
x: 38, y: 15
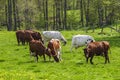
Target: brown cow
x: 37, y: 48
x: 20, y: 35
x: 97, y: 48
x: 54, y: 46
x: 34, y: 34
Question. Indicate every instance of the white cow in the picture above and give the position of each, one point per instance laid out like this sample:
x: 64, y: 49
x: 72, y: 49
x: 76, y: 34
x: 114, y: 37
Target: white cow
x: 48, y: 35
x: 81, y: 40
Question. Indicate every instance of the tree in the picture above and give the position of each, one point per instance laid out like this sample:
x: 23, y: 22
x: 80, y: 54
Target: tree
x: 65, y: 14
x: 15, y: 15
x: 81, y: 10
x: 9, y: 27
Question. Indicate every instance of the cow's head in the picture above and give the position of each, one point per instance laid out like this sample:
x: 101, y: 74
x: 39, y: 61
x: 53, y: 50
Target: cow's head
x: 89, y: 41
x: 50, y: 53
x: 38, y: 35
x: 64, y: 41
x: 56, y: 58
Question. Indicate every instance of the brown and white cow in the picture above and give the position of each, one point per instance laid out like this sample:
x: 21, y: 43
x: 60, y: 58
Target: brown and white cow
x: 54, y: 47
x: 97, y: 48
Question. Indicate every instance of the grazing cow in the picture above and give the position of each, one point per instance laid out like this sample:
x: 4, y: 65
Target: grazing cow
x: 97, y: 48
x: 48, y: 35
x: 54, y: 47
x: 20, y: 35
x: 34, y: 34
x: 81, y: 40
x: 37, y: 48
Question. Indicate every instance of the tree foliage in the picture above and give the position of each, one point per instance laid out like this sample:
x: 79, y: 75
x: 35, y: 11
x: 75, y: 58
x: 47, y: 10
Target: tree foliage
x: 58, y: 14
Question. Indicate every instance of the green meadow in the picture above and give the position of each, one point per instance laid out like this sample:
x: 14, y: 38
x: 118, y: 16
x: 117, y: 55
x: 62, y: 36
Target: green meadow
x: 16, y: 64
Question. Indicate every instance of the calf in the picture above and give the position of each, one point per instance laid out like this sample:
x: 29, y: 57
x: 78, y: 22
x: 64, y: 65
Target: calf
x: 48, y: 35
x: 98, y: 49
x: 54, y: 46
x: 81, y: 40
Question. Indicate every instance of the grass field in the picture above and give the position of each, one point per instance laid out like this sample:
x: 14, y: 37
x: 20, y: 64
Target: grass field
x: 16, y: 64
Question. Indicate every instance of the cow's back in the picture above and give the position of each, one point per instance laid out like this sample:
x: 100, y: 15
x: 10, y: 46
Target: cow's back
x: 80, y: 39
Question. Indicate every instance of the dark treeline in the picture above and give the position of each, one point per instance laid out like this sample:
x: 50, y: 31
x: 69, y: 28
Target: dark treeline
x: 58, y: 14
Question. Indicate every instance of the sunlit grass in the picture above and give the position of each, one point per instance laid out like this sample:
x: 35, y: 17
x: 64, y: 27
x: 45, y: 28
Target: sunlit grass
x: 16, y: 64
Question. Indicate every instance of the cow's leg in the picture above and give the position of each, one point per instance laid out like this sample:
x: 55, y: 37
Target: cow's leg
x: 91, y: 59
x: 106, y: 57
x: 44, y: 57
x: 18, y: 42
x: 23, y: 42
x: 50, y: 58
x: 87, y: 59
x: 36, y: 58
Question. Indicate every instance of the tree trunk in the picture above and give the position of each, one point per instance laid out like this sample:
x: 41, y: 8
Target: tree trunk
x: 14, y: 13
x: 81, y: 10
x: 61, y: 14
x: 9, y: 28
x: 40, y: 10
x: 46, y: 14
x: 87, y: 13
x: 100, y: 14
x: 58, y: 20
x: 54, y: 21
x: 26, y: 13
x: 6, y: 16
x: 18, y: 18
x: 65, y: 15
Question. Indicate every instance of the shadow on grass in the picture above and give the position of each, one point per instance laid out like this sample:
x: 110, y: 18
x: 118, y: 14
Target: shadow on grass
x: 79, y: 63
x: 19, y: 63
x: 29, y: 62
x: 2, y: 60
x: 47, y: 61
x: 36, y: 71
x: 17, y: 49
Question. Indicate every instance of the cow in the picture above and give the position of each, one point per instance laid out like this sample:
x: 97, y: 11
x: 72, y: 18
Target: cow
x: 80, y: 40
x: 48, y: 35
x: 34, y: 34
x: 54, y: 47
x: 20, y: 35
x: 97, y: 48
x: 36, y: 48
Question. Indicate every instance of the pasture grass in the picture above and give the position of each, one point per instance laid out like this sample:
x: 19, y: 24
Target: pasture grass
x: 16, y: 64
